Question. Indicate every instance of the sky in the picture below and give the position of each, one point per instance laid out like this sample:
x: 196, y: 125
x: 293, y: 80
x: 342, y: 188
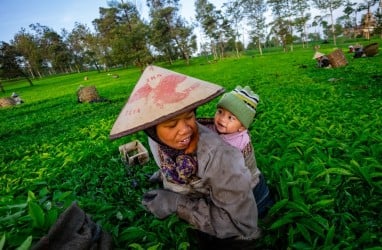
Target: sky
x: 59, y: 14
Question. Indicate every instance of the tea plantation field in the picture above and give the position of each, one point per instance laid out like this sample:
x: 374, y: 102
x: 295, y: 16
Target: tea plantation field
x: 317, y: 136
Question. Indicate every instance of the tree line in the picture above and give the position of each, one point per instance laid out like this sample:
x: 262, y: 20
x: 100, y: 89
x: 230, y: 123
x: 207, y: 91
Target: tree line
x: 123, y: 38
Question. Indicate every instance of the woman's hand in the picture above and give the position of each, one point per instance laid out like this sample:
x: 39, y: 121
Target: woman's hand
x: 160, y: 202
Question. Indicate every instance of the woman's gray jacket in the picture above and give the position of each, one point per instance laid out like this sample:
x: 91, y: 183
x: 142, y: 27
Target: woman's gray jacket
x: 221, y: 202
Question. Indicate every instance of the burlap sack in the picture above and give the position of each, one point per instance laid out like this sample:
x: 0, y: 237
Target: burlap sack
x: 7, y: 102
x: 371, y: 49
x: 88, y: 94
x: 337, y: 59
x: 74, y: 230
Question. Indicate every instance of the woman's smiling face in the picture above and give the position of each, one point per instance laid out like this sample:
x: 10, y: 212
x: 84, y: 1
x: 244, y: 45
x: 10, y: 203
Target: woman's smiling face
x: 177, y: 132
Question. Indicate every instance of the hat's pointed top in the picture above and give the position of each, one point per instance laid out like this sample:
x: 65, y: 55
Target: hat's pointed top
x: 159, y: 95
x: 318, y: 55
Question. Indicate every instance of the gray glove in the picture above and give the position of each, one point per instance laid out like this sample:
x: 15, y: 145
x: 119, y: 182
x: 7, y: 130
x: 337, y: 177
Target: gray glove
x: 161, y: 202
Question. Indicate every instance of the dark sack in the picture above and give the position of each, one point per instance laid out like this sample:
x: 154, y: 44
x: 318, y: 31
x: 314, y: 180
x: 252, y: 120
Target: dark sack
x: 74, y: 230
x: 325, y: 62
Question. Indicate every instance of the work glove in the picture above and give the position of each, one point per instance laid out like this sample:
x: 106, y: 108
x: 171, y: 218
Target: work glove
x: 156, y: 177
x: 160, y: 202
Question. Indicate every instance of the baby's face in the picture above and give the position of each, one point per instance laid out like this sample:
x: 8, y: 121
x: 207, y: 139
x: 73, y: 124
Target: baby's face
x: 226, y: 122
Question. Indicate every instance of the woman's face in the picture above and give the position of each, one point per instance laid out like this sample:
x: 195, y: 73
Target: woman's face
x: 177, y: 132
x: 226, y: 122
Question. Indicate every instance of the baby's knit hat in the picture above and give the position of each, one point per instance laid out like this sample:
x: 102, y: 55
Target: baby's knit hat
x: 241, y: 102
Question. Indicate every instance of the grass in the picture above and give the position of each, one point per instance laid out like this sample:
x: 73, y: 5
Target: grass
x: 316, y: 136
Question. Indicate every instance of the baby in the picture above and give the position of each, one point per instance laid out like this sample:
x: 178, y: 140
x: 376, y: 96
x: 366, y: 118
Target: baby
x: 235, y: 113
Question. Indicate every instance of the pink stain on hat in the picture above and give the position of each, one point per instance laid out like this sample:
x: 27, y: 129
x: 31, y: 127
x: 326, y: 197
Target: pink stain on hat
x: 159, y: 95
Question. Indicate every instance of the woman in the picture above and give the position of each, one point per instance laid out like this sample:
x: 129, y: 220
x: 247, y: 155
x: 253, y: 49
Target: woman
x: 322, y: 60
x: 205, y: 179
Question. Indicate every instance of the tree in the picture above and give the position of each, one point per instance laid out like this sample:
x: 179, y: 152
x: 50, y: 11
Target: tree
x: 52, y: 49
x: 254, y: 11
x: 78, y: 43
x: 213, y: 25
x: 326, y: 29
x: 349, y: 23
x: 185, y: 39
x: 10, y: 66
x: 282, y: 24
x: 282, y: 29
x: 318, y: 21
x: 234, y: 11
x: 225, y: 33
x: 378, y: 15
x: 301, y: 8
x: 329, y: 5
x: 205, y: 16
x: 129, y: 45
x: 57, y: 55
x: 105, y: 27
x: 170, y: 34
x: 30, y: 52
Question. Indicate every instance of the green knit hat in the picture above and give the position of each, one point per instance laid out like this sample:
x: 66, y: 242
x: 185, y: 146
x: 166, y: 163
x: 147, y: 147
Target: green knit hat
x: 241, y: 102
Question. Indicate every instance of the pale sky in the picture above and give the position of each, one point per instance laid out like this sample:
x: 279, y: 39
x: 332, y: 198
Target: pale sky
x: 59, y: 14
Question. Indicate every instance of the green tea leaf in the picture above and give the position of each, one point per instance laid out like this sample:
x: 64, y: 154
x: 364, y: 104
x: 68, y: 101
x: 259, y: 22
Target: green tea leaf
x: 278, y: 205
x: 31, y: 196
x: 305, y: 233
x: 355, y: 163
x: 313, y: 226
x: 26, y: 244
x: 281, y: 222
x: 329, y: 237
x: 155, y: 247
x: 323, y: 203
x: 37, y: 215
x: 2, y: 242
x: 318, y: 140
x: 184, y: 246
x: 22, y: 205
x: 295, y: 144
x: 132, y: 234
x: 299, y: 206
x: 61, y: 196
x: 11, y: 216
x: 51, y: 217
x: 136, y: 246
x: 339, y: 171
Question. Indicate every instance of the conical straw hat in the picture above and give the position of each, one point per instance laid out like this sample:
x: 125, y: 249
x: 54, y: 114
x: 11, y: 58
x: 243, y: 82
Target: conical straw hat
x: 159, y: 95
x: 317, y: 55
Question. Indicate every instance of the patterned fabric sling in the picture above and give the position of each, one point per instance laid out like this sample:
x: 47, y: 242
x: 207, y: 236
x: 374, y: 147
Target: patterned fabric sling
x: 177, y: 166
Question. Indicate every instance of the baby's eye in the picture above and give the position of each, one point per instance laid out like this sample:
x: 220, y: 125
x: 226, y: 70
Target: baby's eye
x: 232, y: 118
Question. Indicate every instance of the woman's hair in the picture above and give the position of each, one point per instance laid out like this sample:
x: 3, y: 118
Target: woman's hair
x: 152, y: 133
